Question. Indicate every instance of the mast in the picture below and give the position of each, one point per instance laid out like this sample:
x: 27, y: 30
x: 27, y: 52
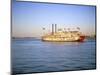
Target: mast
x: 52, y: 28
x: 55, y: 28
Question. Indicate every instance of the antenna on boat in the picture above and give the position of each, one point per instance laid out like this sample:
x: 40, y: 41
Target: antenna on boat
x: 43, y: 30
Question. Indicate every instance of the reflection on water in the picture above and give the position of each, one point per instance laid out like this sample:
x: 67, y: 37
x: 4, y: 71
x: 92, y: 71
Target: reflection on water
x: 32, y: 56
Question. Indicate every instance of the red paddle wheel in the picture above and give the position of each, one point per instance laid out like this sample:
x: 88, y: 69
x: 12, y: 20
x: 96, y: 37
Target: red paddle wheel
x: 82, y: 38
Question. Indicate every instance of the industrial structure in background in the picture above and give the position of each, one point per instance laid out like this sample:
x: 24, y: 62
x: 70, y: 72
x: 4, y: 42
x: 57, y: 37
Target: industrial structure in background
x: 59, y: 35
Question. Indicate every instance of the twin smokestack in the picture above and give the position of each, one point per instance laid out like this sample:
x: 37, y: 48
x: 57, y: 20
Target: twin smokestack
x: 54, y: 28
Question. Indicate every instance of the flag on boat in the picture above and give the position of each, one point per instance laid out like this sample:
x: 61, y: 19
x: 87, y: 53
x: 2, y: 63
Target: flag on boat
x: 43, y: 28
x: 78, y: 28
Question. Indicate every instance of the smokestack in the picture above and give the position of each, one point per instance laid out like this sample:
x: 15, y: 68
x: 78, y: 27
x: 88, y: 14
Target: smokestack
x: 55, y: 28
x: 52, y: 28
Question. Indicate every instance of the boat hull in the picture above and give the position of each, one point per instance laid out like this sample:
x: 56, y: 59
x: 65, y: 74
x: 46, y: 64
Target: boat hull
x: 75, y: 39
